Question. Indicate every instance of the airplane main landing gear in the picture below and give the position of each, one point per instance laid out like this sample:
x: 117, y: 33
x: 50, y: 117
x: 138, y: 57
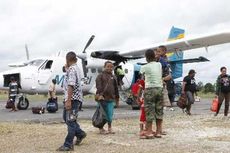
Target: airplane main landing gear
x: 23, y: 103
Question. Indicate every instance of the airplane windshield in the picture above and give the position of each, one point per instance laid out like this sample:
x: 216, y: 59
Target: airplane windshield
x: 35, y: 62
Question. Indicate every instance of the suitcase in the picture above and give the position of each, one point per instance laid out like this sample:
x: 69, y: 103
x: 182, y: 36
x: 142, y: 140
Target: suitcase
x: 38, y: 110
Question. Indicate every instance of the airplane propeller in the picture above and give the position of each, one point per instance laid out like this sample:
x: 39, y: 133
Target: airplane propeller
x: 83, y: 56
x: 27, y: 52
x: 88, y: 43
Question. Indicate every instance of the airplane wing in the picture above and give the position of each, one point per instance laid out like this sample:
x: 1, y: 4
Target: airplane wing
x: 172, y: 46
x: 20, y: 64
x: 185, y: 61
x: 191, y: 60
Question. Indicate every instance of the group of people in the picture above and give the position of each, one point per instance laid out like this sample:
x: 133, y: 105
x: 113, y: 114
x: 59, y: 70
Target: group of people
x: 154, y: 78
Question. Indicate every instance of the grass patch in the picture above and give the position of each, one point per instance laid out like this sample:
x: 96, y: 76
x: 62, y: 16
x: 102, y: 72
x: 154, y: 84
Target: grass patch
x: 206, y: 95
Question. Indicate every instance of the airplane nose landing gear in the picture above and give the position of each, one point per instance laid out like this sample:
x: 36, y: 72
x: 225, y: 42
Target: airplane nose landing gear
x: 23, y: 103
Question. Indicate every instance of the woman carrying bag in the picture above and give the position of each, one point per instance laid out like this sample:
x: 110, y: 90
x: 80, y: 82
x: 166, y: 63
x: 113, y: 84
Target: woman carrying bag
x: 107, y: 93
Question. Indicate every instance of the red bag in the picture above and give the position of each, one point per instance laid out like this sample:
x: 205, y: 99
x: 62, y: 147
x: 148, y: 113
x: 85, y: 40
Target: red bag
x: 214, y: 106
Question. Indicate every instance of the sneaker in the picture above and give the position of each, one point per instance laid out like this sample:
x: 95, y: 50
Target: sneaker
x: 79, y: 139
x: 64, y: 148
x: 171, y: 109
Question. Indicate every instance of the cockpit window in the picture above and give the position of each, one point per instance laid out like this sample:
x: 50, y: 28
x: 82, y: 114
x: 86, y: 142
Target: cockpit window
x: 35, y: 62
x: 46, y: 65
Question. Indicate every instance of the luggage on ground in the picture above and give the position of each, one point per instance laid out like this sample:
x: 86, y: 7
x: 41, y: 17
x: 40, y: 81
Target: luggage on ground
x: 9, y: 104
x: 38, y: 110
x: 52, y: 105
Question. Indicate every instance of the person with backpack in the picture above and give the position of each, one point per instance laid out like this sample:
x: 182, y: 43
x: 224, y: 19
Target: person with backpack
x: 223, y: 90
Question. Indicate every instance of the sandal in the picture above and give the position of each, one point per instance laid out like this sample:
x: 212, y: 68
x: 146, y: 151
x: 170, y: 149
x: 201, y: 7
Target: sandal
x: 111, y: 132
x: 163, y: 133
x: 103, y: 132
x: 157, y: 135
x: 146, y: 136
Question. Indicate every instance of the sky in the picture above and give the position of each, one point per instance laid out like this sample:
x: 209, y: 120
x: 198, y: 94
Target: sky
x: 50, y: 26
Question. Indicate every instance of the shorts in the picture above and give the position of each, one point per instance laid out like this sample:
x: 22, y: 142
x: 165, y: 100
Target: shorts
x: 153, y: 104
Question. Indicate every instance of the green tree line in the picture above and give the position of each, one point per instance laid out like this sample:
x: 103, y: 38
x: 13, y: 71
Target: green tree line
x: 207, y: 88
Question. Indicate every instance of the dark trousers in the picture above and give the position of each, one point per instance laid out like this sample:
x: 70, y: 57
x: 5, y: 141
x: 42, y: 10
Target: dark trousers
x: 13, y: 101
x: 72, y: 125
x: 221, y: 98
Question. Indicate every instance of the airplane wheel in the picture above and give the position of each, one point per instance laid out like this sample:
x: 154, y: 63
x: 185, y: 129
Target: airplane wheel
x: 23, y: 103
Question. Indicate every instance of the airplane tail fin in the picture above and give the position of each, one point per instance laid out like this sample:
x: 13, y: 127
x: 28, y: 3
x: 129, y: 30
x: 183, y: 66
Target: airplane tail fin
x: 177, y: 68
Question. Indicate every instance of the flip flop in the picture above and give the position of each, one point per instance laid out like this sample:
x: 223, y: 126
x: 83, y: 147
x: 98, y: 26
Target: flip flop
x: 163, y: 133
x: 104, y: 132
x: 157, y: 136
x: 145, y: 136
x: 111, y: 132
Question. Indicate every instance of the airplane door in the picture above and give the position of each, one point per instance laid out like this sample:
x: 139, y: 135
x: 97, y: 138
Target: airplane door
x: 45, y: 72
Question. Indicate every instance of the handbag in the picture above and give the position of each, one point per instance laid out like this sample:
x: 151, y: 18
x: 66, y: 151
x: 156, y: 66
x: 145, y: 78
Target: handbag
x: 9, y: 104
x: 182, y: 101
x: 38, y: 110
x: 99, y: 118
x: 214, y: 106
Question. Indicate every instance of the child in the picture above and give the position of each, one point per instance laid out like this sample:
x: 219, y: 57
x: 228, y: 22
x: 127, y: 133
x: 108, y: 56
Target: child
x: 140, y: 95
x: 142, y: 116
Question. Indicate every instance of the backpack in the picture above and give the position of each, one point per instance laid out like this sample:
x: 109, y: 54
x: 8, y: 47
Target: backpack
x: 52, y: 105
x: 225, y: 84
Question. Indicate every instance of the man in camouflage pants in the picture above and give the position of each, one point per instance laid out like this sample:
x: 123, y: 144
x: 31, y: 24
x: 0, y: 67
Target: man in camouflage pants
x: 152, y: 73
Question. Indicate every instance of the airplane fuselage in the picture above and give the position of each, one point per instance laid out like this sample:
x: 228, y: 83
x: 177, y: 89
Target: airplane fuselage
x: 36, y: 76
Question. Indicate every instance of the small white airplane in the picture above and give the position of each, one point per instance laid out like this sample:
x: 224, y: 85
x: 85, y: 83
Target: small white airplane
x: 35, y: 75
